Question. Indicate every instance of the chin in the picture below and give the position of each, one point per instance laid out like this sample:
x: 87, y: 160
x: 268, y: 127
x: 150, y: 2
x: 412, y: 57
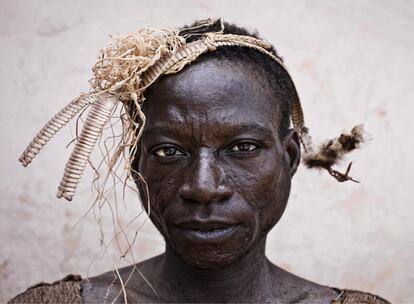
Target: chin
x: 212, y: 259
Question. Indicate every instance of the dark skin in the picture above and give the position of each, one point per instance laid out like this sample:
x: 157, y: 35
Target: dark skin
x: 219, y: 175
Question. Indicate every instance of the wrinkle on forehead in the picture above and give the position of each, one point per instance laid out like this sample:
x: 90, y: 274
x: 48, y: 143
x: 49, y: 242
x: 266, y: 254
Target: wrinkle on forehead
x: 212, y: 94
x: 213, y: 77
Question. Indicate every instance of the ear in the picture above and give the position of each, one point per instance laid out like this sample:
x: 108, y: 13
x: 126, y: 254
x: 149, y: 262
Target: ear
x: 291, y: 145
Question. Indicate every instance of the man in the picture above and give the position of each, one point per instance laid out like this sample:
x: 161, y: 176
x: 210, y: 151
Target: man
x: 215, y: 159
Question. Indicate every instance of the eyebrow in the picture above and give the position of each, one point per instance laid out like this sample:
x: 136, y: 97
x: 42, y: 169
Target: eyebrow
x: 233, y: 129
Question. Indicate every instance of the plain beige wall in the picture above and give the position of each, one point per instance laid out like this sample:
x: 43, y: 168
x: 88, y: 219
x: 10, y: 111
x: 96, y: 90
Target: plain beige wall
x: 352, y: 62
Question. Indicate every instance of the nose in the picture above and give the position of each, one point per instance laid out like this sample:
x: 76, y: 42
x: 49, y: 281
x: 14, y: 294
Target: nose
x: 205, y: 181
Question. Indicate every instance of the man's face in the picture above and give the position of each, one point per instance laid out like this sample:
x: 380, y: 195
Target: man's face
x: 218, y: 172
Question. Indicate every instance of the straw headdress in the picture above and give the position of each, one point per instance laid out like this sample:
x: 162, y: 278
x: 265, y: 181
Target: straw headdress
x: 127, y: 67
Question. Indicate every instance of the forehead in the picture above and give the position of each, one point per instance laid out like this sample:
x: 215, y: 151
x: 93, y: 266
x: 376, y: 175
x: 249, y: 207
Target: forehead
x: 212, y: 90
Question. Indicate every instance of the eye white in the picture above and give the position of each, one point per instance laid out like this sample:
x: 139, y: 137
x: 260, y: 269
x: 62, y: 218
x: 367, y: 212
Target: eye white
x: 250, y: 147
x: 166, y: 152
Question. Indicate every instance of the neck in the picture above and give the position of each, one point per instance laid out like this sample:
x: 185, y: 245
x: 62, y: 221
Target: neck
x: 244, y: 280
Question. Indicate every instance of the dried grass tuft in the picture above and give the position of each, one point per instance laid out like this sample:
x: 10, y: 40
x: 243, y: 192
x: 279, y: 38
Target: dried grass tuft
x: 120, y: 65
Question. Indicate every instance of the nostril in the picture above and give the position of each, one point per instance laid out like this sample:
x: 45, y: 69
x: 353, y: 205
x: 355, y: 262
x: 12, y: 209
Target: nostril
x: 204, y: 194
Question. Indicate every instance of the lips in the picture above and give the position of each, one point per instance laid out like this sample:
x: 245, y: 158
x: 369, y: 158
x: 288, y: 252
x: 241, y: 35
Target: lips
x: 204, y: 226
x: 207, y: 230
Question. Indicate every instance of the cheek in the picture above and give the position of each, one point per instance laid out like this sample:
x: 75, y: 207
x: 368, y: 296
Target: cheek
x: 275, y: 200
x: 161, y: 192
x: 162, y: 187
x: 265, y: 189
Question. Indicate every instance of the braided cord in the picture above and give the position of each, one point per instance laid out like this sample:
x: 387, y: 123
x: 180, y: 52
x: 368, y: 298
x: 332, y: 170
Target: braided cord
x: 52, y: 127
x: 98, y: 116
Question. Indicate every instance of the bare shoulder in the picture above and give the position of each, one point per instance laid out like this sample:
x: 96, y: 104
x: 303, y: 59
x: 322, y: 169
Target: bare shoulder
x: 299, y: 290
x: 131, y: 283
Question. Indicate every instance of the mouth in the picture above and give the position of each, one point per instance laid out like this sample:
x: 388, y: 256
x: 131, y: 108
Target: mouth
x: 207, y: 231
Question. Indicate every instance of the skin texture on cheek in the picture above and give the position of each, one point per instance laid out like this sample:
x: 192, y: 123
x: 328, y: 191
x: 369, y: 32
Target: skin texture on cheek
x: 158, y: 194
x: 270, y: 186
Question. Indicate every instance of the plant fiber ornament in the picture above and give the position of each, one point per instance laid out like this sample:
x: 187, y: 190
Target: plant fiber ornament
x: 132, y: 63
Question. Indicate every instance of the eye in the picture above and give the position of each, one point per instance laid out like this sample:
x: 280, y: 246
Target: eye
x: 243, y: 147
x: 169, y: 151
